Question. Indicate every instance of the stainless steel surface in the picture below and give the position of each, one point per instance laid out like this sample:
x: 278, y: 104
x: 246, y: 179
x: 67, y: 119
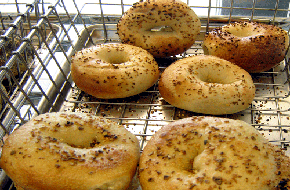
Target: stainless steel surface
x: 65, y: 28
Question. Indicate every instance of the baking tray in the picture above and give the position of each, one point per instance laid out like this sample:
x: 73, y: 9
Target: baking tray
x: 73, y: 26
x: 145, y: 113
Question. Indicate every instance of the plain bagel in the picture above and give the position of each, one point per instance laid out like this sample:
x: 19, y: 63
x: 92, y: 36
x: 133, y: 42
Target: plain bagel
x: 255, y: 47
x: 207, y: 84
x: 61, y: 151
x: 162, y: 27
x: 212, y: 153
x: 114, y: 70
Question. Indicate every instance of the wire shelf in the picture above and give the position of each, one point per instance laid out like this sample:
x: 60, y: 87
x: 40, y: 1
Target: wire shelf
x: 65, y: 28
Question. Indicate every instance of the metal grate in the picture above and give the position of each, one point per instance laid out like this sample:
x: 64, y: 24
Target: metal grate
x: 65, y: 27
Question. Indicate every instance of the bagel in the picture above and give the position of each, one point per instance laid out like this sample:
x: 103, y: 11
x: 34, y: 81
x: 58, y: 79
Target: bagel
x: 162, y: 27
x: 114, y: 70
x: 61, y: 151
x: 207, y: 84
x: 212, y: 153
x: 255, y: 47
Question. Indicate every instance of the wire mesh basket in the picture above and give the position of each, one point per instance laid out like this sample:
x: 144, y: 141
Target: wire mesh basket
x: 16, y: 22
x: 18, y: 43
x: 65, y: 27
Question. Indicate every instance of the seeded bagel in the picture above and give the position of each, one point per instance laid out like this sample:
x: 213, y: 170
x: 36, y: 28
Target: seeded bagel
x: 212, y: 153
x: 255, y: 47
x: 114, y: 70
x: 61, y: 151
x: 162, y: 27
x: 207, y: 84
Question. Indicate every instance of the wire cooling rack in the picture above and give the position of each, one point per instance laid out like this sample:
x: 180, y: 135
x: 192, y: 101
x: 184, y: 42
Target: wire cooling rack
x: 52, y: 31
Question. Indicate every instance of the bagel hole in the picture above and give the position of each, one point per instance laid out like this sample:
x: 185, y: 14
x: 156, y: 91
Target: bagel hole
x: 162, y: 29
x: 215, y: 79
x: 91, y: 140
x: 114, y: 56
x: 91, y: 143
x: 242, y: 31
x: 87, y: 144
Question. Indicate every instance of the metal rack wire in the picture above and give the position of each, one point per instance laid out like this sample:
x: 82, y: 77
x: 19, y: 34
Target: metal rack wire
x: 66, y: 27
x: 16, y: 54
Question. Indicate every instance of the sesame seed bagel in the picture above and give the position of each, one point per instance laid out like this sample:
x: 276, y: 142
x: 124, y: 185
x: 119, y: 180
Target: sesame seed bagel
x: 162, y: 27
x: 61, y: 151
x: 255, y: 47
x: 207, y: 84
x: 212, y: 153
x: 114, y: 70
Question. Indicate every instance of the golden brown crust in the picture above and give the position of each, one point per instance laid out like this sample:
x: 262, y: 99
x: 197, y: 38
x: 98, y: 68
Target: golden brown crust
x: 70, y: 151
x: 207, y: 84
x: 255, y: 47
x: 114, y: 70
x: 211, y: 153
x: 135, y: 27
